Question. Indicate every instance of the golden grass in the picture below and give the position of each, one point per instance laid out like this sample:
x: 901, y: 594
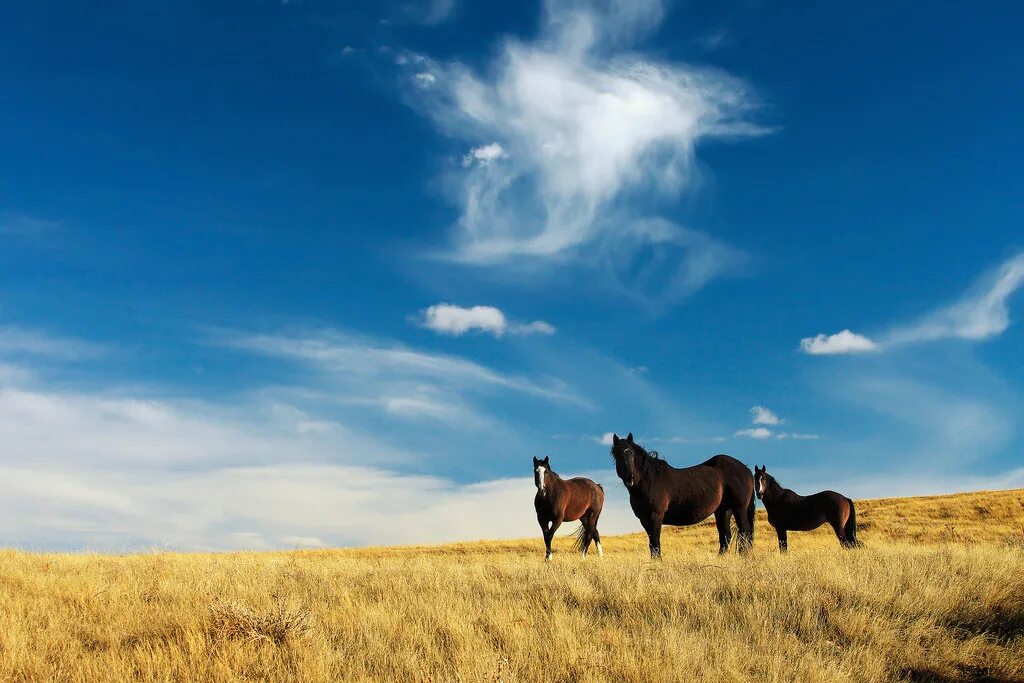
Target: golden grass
x: 936, y: 593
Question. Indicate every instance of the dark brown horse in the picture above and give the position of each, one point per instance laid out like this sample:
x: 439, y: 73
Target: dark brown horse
x: 566, y: 500
x: 788, y: 511
x: 662, y: 494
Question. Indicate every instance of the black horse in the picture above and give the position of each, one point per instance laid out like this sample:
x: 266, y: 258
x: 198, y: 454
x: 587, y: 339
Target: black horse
x: 662, y: 494
x: 788, y: 511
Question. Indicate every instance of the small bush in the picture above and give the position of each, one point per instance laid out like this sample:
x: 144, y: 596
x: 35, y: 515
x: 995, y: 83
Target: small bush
x: 278, y: 624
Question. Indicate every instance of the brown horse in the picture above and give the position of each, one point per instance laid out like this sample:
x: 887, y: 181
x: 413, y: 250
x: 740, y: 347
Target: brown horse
x: 662, y: 494
x: 566, y: 500
x: 788, y: 511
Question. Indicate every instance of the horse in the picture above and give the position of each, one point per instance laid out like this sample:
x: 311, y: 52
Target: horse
x: 788, y: 511
x: 566, y: 500
x: 662, y: 494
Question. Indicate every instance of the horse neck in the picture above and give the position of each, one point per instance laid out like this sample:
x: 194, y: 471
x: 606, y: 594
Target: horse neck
x: 552, y: 482
x: 646, y: 466
x: 774, y: 493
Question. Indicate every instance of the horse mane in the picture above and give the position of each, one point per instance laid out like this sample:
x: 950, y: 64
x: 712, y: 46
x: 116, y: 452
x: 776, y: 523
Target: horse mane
x: 647, y: 462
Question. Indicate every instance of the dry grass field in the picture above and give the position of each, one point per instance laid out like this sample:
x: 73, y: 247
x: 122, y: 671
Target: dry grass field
x: 936, y: 593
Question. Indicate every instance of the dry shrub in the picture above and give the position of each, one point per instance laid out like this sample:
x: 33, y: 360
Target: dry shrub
x: 281, y: 622
x: 1015, y: 540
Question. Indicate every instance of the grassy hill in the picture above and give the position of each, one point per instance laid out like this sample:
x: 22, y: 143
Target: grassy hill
x: 936, y: 593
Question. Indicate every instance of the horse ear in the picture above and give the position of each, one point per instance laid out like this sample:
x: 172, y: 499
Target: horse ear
x: 629, y: 438
x: 615, y: 439
x: 547, y: 460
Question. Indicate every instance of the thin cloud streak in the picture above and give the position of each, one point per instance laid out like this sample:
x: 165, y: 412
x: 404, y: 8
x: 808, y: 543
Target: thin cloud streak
x: 21, y: 341
x: 347, y: 357
x: 981, y: 313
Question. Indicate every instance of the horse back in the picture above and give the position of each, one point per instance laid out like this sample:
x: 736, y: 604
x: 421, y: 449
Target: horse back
x: 803, y: 513
x: 580, y: 496
x: 737, y: 481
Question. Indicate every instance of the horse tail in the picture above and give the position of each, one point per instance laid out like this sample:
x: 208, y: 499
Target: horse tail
x: 850, y: 530
x: 582, y: 538
x: 751, y: 509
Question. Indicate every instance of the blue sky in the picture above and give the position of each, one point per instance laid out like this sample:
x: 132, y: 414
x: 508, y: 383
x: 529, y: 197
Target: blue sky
x: 298, y: 274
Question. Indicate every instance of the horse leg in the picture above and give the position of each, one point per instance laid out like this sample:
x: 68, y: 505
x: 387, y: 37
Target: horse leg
x: 783, y: 543
x: 597, y: 537
x: 840, y: 533
x: 587, y: 532
x: 746, y: 533
x: 724, y: 530
x: 654, y: 534
x: 549, y: 533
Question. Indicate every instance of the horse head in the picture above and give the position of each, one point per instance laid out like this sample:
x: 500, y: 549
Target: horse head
x: 624, y: 453
x: 540, y: 468
x: 763, y: 481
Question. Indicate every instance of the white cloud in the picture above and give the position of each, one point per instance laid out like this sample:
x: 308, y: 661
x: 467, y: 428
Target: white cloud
x: 605, y: 439
x: 762, y: 416
x: 980, y: 314
x: 756, y: 433
x: 424, y: 79
x: 840, y: 342
x: 591, y: 129
x: 484, y: 154
x: 457, y: 320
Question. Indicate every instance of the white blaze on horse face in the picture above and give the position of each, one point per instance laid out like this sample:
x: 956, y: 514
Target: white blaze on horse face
x: 760, y: 484
x: 540, y: 477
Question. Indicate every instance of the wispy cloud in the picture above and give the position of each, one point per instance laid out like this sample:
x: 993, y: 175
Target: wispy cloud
x: 25, y: 227
x: 979, y: 314
x: 755, y: 433
x: 570, y: 131
x: 388, y: 367
x: 687, y: 439
x: 422, y: 12
x: 115, y: 471
x: 20, y: 341
x: 458, y: 320
x: 430, y: 12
